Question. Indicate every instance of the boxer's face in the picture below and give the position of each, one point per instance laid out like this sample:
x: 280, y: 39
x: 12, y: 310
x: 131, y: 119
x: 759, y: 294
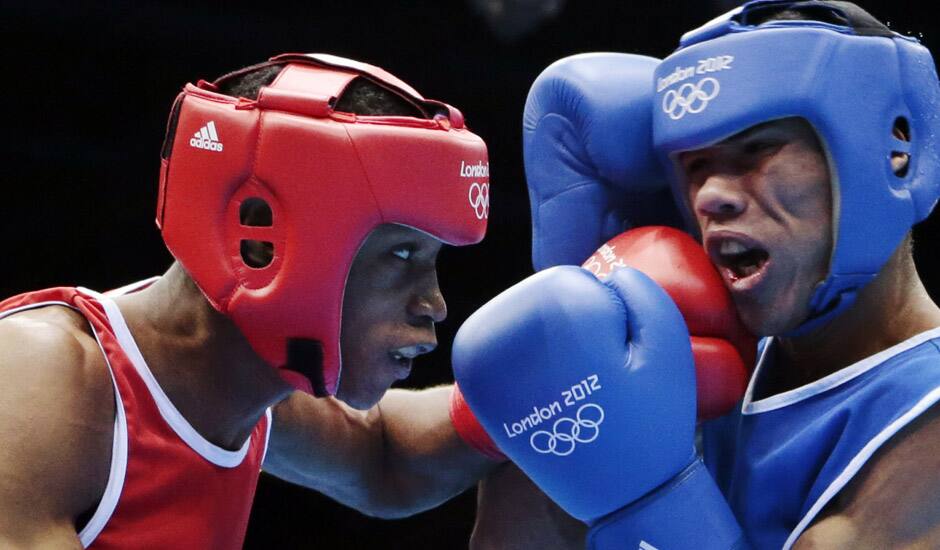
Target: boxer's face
x: 391, y: 303
x: 763, y: 201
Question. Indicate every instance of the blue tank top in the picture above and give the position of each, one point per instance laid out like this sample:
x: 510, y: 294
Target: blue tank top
x: 779, y: 460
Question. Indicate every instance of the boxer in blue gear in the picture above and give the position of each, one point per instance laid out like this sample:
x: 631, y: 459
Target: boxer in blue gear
x: 800, y: 139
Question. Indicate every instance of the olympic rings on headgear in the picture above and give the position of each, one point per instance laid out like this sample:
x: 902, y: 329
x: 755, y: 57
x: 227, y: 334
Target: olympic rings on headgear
x: 480, y: 199
x: 690, y: 98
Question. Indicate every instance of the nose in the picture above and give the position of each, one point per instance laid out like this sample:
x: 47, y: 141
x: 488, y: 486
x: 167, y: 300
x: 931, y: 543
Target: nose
x: 720, y: 197
x: 428, y: 302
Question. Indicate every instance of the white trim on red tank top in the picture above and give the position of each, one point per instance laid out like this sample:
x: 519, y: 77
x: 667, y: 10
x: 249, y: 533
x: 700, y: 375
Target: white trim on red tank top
x: 841, y: 376
x: 139, y: 285
x: 171, y: 415
x: 112, y: 491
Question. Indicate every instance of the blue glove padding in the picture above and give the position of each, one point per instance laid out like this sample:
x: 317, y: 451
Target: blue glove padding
x: 587, y: 132
x: 589, y: 387
x: 562, y: 345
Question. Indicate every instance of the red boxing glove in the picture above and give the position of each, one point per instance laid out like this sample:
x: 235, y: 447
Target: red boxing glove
x: 724, y: 350
x: 469, y: 429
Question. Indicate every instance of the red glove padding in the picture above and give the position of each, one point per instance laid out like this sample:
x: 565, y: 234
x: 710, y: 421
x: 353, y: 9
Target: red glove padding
x: 724, y: 350
x: 469, y: 429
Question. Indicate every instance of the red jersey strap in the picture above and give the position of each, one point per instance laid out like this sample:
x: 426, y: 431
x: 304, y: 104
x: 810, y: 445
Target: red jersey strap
x: 168, y: 486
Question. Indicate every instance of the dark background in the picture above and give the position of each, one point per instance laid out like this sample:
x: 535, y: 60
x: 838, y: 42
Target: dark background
x: 85, y: 95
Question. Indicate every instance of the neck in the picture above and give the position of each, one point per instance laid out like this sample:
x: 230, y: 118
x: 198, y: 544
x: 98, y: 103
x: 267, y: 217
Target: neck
x: 892, y: 308
x: 202, y: 361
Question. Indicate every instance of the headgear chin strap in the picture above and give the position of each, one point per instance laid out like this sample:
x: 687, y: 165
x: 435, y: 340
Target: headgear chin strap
x: 853, y: 80
x: 328, y: 177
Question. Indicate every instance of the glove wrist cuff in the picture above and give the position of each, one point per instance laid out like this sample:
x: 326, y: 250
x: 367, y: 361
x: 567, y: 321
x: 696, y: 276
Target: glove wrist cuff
x: 469, y: 429
x: 687, y: 512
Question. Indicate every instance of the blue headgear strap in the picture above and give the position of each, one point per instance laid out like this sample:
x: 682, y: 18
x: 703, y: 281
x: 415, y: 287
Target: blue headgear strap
x: 853, y: 80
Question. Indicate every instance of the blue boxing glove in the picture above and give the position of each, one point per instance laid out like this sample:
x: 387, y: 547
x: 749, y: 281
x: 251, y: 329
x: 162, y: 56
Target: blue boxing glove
x: 587, y: 142
x: 589, y: 387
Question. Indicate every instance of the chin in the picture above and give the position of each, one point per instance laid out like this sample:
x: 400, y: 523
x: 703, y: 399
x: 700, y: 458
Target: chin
x: 769, y: 322
x: 360, y: 400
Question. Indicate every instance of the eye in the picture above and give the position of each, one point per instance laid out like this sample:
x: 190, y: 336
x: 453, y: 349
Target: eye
x: 404, y: 251
x: 762, y: 146
x: 696, y: 165
x: 693, y: 164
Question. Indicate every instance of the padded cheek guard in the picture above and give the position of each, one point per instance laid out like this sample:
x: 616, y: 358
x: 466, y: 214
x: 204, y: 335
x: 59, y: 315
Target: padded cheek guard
x: 329, y: 178
x: 729, y: 76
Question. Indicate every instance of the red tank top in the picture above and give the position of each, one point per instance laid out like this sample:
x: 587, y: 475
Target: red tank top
x: 169, y: 487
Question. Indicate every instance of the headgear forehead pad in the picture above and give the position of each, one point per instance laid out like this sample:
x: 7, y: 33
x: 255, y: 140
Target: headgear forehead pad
x: 324, y: 179
x: 853, y: 80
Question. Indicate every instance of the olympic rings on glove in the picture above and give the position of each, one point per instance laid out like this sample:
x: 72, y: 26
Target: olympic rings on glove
x: 567, y: 432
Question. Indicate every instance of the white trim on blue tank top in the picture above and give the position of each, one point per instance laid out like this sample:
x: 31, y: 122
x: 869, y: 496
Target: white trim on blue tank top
x: 859, y: 460
x: 825, y: 383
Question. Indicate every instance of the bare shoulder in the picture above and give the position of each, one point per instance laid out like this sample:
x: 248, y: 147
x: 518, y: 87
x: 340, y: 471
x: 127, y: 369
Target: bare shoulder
x: 56, y: 414
x: 51, y: 350
x: 894, y: 500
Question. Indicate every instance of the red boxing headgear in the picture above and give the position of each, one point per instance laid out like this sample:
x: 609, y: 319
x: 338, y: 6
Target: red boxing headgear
x: 329, y: 179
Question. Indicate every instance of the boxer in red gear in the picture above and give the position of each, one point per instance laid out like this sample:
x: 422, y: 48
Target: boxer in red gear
x: 140, y: 418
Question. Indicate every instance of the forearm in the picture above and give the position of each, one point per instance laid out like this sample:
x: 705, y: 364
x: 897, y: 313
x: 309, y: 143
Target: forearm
x: 399, y: 458
x: 424, y: 460
x: 514, y: 514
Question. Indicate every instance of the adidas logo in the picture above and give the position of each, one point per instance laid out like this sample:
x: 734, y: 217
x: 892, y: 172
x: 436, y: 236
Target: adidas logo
x: 206, y: 138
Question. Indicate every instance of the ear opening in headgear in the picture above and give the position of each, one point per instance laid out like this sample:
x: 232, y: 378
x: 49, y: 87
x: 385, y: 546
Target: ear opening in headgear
x: 255, y: 212
x: 901, y: 160
x: 257, y: 254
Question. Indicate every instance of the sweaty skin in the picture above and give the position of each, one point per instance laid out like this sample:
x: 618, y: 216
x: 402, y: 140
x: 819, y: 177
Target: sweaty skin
x: 390, y: 459
x: 769, y: 187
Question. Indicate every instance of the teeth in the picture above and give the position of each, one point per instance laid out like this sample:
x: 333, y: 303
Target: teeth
x: 410, y: 352
x: 748, y: 270
x: 732, y: 247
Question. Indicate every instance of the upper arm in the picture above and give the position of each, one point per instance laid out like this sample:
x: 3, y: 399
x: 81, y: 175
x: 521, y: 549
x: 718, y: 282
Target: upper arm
x: 893, y: 501
x: 56, y: 429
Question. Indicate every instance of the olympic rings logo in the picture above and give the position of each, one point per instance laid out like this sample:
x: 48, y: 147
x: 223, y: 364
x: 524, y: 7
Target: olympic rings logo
x: 690, y: 98
x: 480, y: 199
x: 568, y: 432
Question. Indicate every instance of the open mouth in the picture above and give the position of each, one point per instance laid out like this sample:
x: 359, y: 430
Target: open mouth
x: 399, y: 357
x: 404, y: 356
x: 738, y: 259
x: 401, y: 364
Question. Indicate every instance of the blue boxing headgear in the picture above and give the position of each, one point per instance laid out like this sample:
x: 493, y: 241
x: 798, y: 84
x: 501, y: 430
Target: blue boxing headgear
x: 854, y: 81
